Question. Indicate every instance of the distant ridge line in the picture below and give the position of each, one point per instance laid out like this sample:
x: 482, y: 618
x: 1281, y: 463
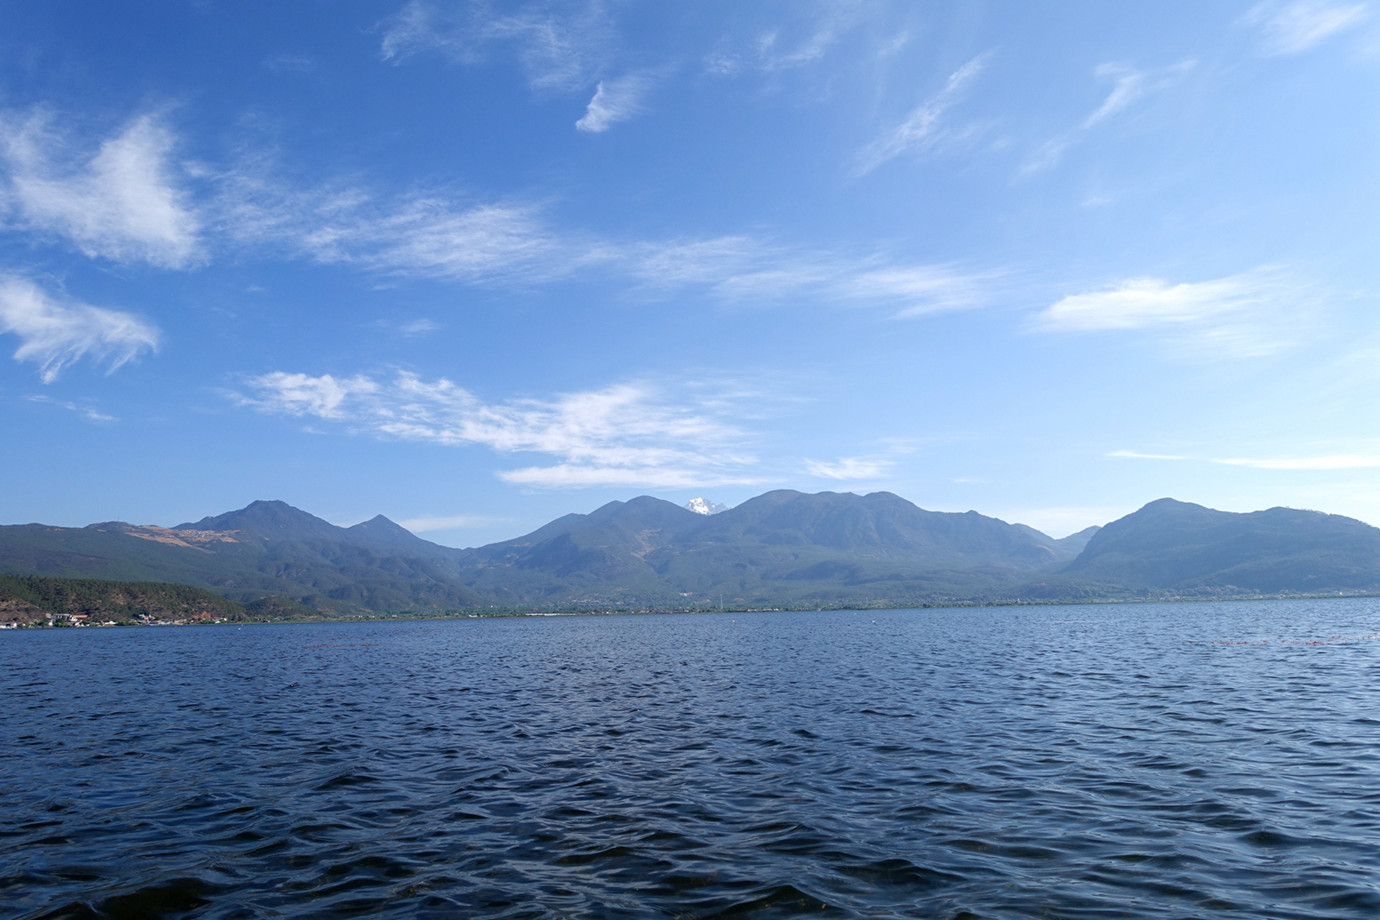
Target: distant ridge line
x: 783, y: 548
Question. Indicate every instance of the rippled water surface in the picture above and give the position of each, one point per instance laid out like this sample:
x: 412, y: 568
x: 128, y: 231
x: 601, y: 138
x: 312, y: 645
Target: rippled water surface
x: 1187, y: 760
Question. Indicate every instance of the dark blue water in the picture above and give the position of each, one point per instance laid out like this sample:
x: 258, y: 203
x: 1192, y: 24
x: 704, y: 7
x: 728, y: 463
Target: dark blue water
x: 1189, y: 760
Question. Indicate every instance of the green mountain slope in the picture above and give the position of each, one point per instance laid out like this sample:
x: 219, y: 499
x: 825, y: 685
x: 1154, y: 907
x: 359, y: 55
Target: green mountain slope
x: 27, y: 599
x: 267, y: 549
x: 780, y: 549
x: 1176, y: 545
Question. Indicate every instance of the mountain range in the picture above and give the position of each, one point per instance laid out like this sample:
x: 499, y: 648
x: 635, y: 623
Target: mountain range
x: 780, y: 549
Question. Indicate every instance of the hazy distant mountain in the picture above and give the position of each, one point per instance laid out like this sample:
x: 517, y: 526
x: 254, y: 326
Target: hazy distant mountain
x: 1170, y: 544
x: 780, y: 549
x: 1075, y: 543
x: 600, y: 556
x: 268, y: 548
x: 704, y: 506
x: 382, y: 534
x: 883, y: 525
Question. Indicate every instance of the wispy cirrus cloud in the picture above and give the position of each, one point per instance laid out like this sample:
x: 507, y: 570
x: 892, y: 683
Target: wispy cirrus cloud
x: 300, y: 64
x: 627, y: 434
x: 750, y: 270
x: 1138, y: 455
x: 614, y: 101
x: 1296, y: 26
x: 1364, y: 459
x: 1247, y: 315
x: 849, y: 469
x: 322, y: 396
x: 125, y: 204
x: 125, y: 201
x: 904, y: 290
x: 871, y: 466
x: 1148, y: 302
x: 924, y: 128
x: 1325, y: 462
x: 917, y: 290
x: 560, y: 46
x: 85, y: 411
x: 444, y: 237
x: 417, y: 27
x: 682, y: 261
x: 776, y: 49
x: 1129, y: 85
x: 422, y: 326
x: 429, y: 235
x: 56, y: 331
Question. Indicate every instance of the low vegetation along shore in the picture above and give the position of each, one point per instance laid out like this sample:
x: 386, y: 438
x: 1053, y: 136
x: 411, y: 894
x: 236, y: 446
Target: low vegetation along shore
x: 37, y: 602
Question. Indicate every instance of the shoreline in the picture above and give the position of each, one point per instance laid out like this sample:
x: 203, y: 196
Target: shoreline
x: 414, y: 616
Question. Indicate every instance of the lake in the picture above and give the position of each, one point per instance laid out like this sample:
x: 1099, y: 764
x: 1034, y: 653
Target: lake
x: 1156, y: 760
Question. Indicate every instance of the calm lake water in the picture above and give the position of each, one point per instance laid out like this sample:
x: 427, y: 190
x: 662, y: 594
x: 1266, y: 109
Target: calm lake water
x: 1185, y: 760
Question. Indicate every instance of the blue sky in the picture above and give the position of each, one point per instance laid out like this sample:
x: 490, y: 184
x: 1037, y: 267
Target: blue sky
x: 477, y: 265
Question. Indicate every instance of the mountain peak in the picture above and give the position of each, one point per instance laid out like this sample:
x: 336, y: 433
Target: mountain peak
x: 272, y: 520
x: 382, y: 534
x: 705, y: 506
x: 273, y: 503
x: 379, y: 527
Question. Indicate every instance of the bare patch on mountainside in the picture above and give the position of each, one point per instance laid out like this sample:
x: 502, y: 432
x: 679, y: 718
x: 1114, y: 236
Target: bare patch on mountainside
x: 191, y: 539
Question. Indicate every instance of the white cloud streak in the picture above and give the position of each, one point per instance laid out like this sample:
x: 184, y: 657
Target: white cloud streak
x: 923, y: 129
x: 614, y: 101
x: 412, y: 30
x: 917, y: 290
x: 56, y: 332
x: 1137, y: 455
x: 418, y: 327
x: 558, y: 48
x: 1129, y: 86
x: 1356, y: 460
x: 749, y: 271
x: 626, y: 434
x: 772, y: 51
x: 124, y: 202
x: 291, y: 63
x: 1247, y: 315
x: 1142, y: 302
x: 849, y: 469
x: 1327, y: 462
x: 416, y: 235
x: 505, y: 243
x: 1299, y: 26
x: 302, y: 394
x: 86, y: 412
x: 772, y: 55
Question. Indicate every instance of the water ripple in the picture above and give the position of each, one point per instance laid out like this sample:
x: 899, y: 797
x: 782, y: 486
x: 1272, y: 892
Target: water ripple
x: 1195, y: 760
